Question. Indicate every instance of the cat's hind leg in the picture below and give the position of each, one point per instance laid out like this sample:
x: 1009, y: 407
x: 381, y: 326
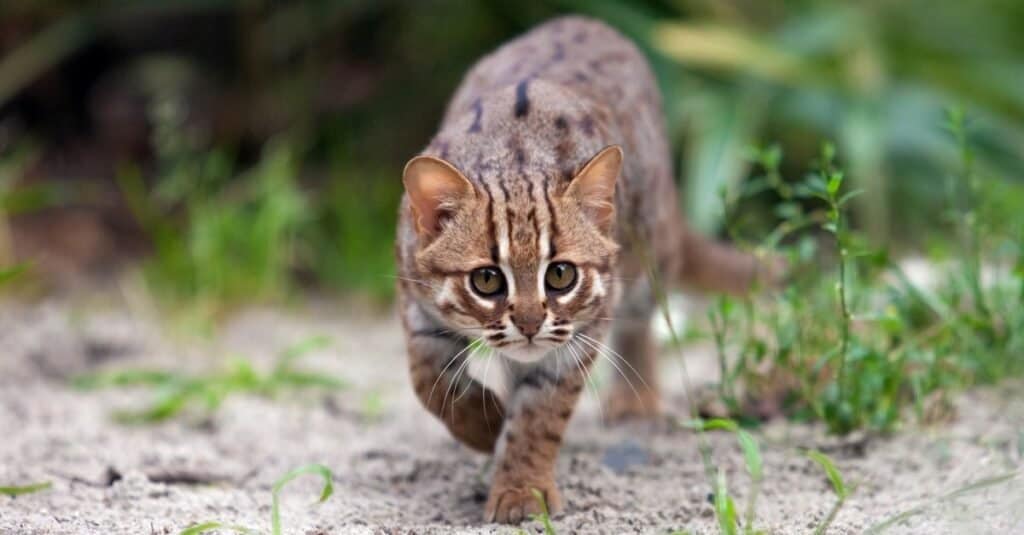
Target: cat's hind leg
x: 634, y: 392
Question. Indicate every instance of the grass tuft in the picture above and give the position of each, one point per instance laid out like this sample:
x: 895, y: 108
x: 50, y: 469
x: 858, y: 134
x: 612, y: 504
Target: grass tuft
x: 857, y: 344
x: 177, y: 392
x: 838, y: 486
x: 275, y: 509
x: 725, y: 509
x: 315, y: 469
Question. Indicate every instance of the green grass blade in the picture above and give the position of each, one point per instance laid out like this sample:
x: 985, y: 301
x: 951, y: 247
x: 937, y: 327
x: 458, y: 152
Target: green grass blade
x: 317, y: 469
x: 840, y: 488
x: 10, y: 274
x: 978, y: 485
x: 25, y: 489
x: 543, y: 517
x: 714, y: 424
x: 751, y: 454
x: 306, y: 379
x: 199, y: 529
x: 725, y: 508
x: 124, y: 378
x: 832, y: 472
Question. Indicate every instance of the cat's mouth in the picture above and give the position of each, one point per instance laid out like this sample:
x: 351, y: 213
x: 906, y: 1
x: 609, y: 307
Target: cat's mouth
x: 528, y: 351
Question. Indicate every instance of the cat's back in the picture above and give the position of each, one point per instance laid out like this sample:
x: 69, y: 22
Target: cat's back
x: 581, y: 54
x: 547, y: 101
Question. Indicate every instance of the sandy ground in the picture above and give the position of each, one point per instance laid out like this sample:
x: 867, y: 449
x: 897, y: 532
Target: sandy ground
x: 396, y: 469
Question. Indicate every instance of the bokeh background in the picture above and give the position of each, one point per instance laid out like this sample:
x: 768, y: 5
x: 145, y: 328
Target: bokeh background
x: 240, y: 151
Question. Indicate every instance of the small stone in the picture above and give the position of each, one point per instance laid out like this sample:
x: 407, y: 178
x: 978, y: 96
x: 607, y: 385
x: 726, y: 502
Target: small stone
x: 625, y: 455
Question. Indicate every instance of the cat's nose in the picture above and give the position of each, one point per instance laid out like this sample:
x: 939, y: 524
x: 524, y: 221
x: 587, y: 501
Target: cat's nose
x: 529, y: 324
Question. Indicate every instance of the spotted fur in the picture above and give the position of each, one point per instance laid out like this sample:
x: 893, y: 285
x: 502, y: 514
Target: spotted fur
x: 525, y: 172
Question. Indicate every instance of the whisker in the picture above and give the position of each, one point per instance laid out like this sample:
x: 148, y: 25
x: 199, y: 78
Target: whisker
x: 617, y: 354
x: 453, y: 387
x: 483, y: 398
x: 458, y: 375
x: 585, y: 373
x: 427, y: 284
x: 443, y: 370
x: 603, y: 354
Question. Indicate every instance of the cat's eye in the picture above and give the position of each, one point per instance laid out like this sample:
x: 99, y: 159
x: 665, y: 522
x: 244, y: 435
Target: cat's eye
x: 560, y: 276
x: 487, y: 281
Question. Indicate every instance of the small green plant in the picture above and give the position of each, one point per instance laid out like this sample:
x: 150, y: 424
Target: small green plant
x: 275, y: 508
x: 199, y: 529
x: 857, y: 344
x: 725, y: 508
x: 234, y: 240
x: 177, y: 392
x: 838, y: 486
x: 20, y: 490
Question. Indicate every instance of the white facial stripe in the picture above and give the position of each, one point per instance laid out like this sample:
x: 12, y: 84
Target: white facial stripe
x: 447, y: 294
x: 501, y: 230
x: 501, y: 233
x: 540, y: 277
x: 510, y: 281
x: 545, y: 226
x: 599, y: 289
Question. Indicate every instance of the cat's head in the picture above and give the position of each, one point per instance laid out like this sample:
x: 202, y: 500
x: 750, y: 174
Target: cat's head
x: 521, y: 264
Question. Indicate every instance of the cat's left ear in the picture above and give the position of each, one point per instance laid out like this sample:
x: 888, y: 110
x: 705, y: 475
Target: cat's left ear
x: 436, y: 189
x: 594, y: 186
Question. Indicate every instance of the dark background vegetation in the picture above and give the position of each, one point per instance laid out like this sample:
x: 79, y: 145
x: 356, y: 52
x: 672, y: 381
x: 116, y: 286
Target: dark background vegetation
x: 246, y: 149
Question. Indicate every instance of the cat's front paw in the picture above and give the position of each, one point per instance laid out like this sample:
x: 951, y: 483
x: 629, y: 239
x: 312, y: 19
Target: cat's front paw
x: 511, y: 504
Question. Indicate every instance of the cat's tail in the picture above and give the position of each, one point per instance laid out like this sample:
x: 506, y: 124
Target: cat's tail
x: 714, y: 266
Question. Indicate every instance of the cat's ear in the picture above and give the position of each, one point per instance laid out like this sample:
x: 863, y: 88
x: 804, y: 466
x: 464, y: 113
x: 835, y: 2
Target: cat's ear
x: 436, y: 189
x: 594, y: 186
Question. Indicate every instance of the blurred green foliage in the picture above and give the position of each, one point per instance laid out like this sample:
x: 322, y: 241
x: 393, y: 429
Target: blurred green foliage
x: 176, y: 393
x: 334, y: 96
x: 276, y: 133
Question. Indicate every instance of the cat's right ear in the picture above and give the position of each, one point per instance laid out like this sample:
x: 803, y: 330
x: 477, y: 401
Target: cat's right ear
x: 436, y: 189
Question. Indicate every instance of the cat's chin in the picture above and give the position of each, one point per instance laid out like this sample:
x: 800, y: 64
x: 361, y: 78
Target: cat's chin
x: 527, y: 353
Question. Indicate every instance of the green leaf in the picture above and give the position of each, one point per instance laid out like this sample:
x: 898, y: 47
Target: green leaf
x: 831, y: 471
x: 751, y: 454
x: 25, y: 489
x: 714, y: 424
x: 835, y: 181
x: 725, y: 508
x: 849, y: 195
x: 317, y: 469
x: 198, y: 529
x: 751, y: 451
x: 828, y: 153
x: 9, y: 274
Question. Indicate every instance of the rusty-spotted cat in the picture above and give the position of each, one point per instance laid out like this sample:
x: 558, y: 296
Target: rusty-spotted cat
x: 528, y: 224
